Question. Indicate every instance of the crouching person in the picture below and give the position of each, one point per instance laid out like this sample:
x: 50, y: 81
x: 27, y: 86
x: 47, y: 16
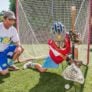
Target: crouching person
x: 9, y: 52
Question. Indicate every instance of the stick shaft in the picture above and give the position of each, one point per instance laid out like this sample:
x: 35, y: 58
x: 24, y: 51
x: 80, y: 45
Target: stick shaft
x: 73, y: 17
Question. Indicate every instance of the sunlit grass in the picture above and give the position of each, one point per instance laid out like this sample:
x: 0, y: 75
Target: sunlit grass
x: 30, y: 80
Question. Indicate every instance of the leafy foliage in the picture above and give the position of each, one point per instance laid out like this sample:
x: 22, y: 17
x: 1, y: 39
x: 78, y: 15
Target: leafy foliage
x: 13, y: 5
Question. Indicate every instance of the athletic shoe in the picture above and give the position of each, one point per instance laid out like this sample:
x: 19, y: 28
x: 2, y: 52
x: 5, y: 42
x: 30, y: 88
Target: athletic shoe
x: 27, y: 65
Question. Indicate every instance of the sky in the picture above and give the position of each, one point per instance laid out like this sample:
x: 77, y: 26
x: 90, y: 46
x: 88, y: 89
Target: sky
x: 4, y: 5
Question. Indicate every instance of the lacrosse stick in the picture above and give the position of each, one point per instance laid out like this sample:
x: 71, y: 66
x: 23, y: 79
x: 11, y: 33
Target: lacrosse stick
x: 73, y: 72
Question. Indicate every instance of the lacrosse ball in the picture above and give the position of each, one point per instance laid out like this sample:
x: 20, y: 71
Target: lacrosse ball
x: 67, y: 86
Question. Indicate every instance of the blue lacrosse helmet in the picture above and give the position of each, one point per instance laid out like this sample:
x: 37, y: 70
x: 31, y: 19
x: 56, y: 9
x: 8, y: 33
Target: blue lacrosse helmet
x: 58, y: 27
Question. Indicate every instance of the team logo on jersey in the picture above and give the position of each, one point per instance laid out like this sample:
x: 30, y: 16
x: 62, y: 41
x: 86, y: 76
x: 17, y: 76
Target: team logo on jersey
x: 5, y: 40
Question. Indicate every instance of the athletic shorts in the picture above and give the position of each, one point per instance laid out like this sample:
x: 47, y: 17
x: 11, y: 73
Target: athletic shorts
x: 5, y: 55
x: 49, y: 63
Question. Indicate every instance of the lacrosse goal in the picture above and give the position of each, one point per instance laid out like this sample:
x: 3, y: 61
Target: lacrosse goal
x: 35, y: 18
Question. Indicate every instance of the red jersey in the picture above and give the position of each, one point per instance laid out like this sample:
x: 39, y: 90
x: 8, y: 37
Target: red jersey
x: 54, y: 52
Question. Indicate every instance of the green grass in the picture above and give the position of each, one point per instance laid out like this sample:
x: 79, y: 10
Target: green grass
x: 30, y: 80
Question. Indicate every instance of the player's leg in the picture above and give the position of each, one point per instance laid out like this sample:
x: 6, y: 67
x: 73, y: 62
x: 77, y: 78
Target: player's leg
x: 18, y: 51
x: 3, y: 64
x: 14, y: 52
x: 10, y: 54
x: 34, y: 66
x: 4, y: 72
x: 40, y: 68
x: 48, y: 63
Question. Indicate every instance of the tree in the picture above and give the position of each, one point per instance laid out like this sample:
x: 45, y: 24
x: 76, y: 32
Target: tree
x: 13, y: 5
x: 1, y: 16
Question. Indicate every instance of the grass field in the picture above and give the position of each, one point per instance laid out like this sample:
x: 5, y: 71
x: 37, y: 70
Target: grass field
x: 30, y: 80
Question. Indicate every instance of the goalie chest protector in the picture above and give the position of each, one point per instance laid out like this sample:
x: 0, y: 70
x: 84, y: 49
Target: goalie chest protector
x: 58, y: 59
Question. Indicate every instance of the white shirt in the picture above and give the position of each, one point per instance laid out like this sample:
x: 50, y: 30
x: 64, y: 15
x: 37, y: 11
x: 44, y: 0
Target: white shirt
x: 7, y: 36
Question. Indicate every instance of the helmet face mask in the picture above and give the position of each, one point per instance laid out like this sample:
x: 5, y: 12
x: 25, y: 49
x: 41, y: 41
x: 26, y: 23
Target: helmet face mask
x: 58, y: 32
x: 59, y: 39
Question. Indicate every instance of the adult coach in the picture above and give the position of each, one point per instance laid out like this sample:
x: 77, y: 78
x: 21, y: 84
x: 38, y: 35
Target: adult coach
x: 10, y: 47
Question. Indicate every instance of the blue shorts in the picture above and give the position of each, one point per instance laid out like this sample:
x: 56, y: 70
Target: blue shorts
x: 5, y: 55
x: 49, y: 63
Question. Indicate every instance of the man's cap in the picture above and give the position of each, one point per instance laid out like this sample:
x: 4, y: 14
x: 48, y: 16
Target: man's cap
x: 9, y: 14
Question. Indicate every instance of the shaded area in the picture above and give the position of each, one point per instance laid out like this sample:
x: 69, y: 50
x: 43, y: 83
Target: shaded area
x: 2, y: 77
x: 50, y: 82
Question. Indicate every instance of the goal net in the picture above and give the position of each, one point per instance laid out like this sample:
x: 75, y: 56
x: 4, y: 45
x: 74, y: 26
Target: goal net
x: 35, y: 18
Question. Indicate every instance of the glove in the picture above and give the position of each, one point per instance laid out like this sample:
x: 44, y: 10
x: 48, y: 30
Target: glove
x: 74, y: 36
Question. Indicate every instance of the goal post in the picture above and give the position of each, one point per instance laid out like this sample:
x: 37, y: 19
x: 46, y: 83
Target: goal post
x: 35, y: 18
x: 90, y: 30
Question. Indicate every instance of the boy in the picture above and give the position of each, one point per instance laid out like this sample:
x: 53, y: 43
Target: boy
x: 60, y: 47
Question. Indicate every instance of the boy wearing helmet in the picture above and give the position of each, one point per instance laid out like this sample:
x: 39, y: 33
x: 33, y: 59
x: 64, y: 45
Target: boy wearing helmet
x: 60, y: 47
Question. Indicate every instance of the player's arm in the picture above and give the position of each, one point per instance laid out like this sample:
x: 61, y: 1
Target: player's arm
x: 55, y: 49
x: 56, y: 52
x: 15, y: 38
x: 16, y: 41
